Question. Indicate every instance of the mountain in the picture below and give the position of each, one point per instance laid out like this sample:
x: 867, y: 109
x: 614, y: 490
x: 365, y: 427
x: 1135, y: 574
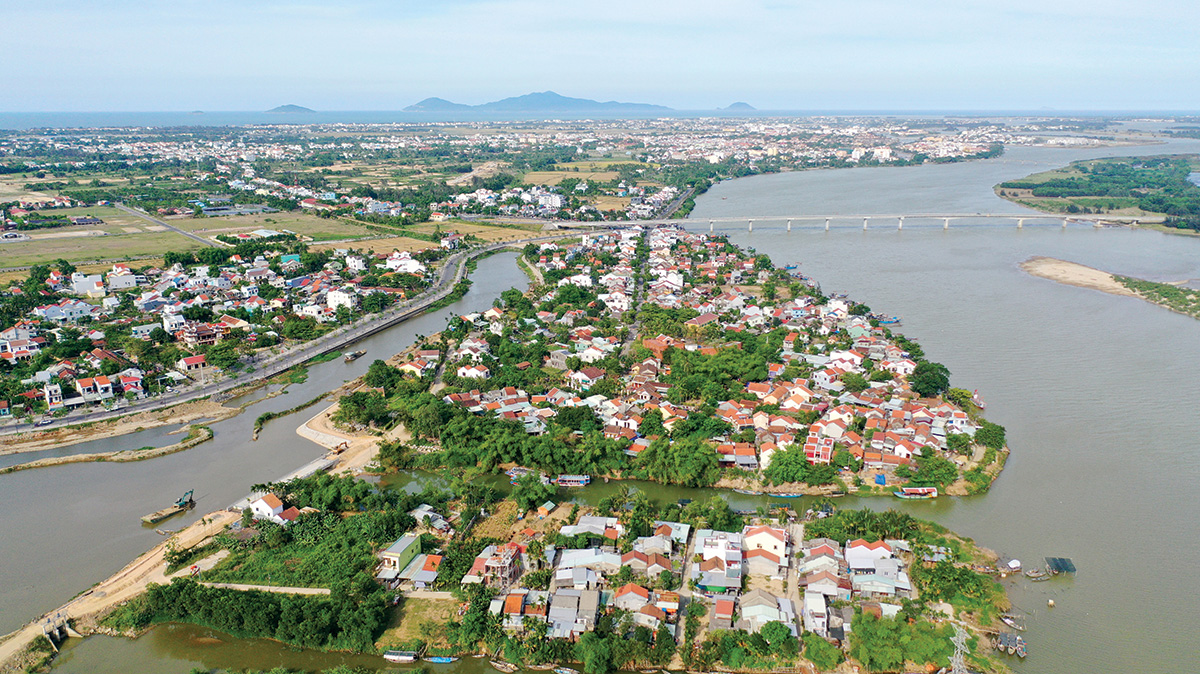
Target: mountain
x: 289, y: 109
x: 545, y: 101
x: 435, y: 105
x: 744, y: 107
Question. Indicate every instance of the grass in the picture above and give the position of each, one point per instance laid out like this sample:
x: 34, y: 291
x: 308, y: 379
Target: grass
x: 113, y: 247
x: 1180, y: 299
x: 555, y: 177
x: 484, y: 232
x: 401, y: 243
x: 407, y: 619
x: 304, y: 224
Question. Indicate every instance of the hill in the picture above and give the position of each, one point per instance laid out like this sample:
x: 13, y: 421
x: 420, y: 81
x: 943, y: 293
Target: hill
x: 745, y: 107
x: 545, y: 101
x: 290, y: 109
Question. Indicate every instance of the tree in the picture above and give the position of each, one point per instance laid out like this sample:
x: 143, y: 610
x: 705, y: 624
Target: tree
x: 854, y: 382
x: 160, y: 336
x: 821, y: 653
x: 223, y: 355
x: 929, y: 378
x: 991, y: 435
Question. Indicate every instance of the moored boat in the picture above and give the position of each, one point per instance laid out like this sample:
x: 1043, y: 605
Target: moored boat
x: 787, y: 495
x: 747, y: 492
x: 441, y: 659
x: 506, y: 667
x: 916, y: 493
x: 574, y: 480
x: 353, y: 355
x: 1036, y: 574
x: 564, y: 670
x: 186, y: 502
x: 400, y: 656
x: 1012, y: 622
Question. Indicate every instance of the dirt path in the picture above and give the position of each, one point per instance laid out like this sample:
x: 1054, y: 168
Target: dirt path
x: 1074, y: 274
x: 271, y: 588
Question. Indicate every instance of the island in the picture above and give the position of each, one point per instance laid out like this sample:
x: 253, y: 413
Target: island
x: 1160, y: 191
x: 291, y: 109
x: 1174, y: 296
x: 544, y: 101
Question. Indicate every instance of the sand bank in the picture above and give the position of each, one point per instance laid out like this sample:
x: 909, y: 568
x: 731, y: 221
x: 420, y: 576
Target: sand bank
x: 1074, y: 274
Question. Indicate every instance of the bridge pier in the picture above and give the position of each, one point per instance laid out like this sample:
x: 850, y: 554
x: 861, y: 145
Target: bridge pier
x: 865, y: 223
x: 900, y: 226
x: 1064, y: 223
x: 710, y: 225
x: 750, y: 227
x: 789, y: 225
x: 945, y: 223
x: 1020, y: 223
x: 827, y: 224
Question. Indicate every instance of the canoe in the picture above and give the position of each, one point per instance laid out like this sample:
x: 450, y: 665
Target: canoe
x: 507, y: 668
x: 564, y: 670
x: 400, y: 656
x: 441, y: 659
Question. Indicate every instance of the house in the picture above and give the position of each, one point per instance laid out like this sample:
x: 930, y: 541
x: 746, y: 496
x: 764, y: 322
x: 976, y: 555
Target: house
x: 192, y: 366
x: 759, y: 607
x: 585, y: 378
x: 631, y: 597
x: 267, y: 507
x: 770, y: 539
x: 474, y: 372
x: 397, y: 556
x: 861, y: 555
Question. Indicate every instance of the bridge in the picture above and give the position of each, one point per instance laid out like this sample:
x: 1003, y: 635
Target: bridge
x: 868, y: 220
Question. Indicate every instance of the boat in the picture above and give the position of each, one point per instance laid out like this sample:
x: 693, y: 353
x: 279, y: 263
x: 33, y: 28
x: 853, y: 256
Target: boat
x: 894, y: 320
x: 1012, y: 622
x: 354, y: 355
x: 916, y: 493
x: 185, y: 502
x: 400, y: 656
x: 977, y: 401
x: 1036, y: 574
x: 440, y: 659
x: 790, y: 267
x: 748, y: 492
x: 564, y: 670
x: 1042, y: 577
x: 574, y: 480
x: 506, y: 667
x: 787, y: 495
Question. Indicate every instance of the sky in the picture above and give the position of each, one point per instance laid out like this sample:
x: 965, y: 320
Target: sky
x: 136, y: 55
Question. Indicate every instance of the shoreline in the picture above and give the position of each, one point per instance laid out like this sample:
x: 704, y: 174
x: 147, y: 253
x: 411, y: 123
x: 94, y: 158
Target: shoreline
x: 1075, y: 274
x: 119, y: 456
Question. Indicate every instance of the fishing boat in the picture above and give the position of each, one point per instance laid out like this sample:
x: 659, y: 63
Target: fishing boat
x: 787, y: 495
x: 351, y: 356
x: 400, y: 656
x: 564, y: 670
x: 506, y: 667
x: 894, y: 320
x: 1036, y: 574
x: 916, y: 493
x: 747, y: 492
x: 440, y: 659
x: 790, y: 267
x: 977, y: 401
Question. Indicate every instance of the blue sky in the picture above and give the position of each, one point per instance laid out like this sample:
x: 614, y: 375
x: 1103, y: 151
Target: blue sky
x: 76, y: 55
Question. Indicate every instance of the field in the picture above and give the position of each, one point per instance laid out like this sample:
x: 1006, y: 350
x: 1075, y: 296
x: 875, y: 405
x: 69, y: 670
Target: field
x: 76, y: 248
x: 555, y: 177
x: 401, y: 243
x: 411, y: 615
x: 611, y: 203
x: 304, y: 224
x: 484, y: 232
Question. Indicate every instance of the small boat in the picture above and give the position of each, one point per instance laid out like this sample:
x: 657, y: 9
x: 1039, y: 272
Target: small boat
x: 1036, y: 574
x: 1042, y: 577
x: 574, y: 480
x: 977, y: 401
x: 790, y: 267
x: 916, y: 493
x: 894, y: 320
x: 440, y: 659
x: 564, y: 670
x: 400, y: 656
x: 1012, y: 622
x: 787, y: 495
x: 747, y: 492
x: 354, y: 355
x: 506, y: 667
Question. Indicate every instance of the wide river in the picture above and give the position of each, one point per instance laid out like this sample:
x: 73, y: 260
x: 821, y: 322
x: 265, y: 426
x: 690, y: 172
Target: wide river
x: 1097, y: 393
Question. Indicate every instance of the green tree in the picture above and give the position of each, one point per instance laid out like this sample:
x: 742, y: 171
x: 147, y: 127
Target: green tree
x: 929, y: 378
x: 854, y: 382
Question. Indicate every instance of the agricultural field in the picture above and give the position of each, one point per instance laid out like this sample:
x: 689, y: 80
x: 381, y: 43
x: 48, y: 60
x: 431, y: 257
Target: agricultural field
x: 304, y: 224
x: 605, y: 203
x: 400, y: 243
x: 484, y: 232
x: 97, y: 246
x: 550, y: 178
x: 412, y: 614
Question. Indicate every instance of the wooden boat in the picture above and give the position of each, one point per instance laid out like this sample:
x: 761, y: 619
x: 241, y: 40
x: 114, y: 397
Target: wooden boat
x: 747, y: 492
x: 352, y: 356
x: 1042, y: 577
x: 506, y: 667
x: 1036, y: 574
x: 564, y: 670
x: 1012, y: 622
x: 574, y: 480
x: 400, y: 656
x: 787, y: 495
x: 916, y: 493
x: 440, y: 659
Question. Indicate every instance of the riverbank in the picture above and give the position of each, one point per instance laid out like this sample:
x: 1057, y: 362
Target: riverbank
x: 196, y: 435
x: 85, y: 610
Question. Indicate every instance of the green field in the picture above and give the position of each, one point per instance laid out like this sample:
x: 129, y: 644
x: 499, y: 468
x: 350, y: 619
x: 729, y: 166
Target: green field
x: 82, y: 248
x: 305, y: 224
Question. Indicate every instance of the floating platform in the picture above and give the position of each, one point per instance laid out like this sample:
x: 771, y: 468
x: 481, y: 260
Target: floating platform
x: 1057, y: 565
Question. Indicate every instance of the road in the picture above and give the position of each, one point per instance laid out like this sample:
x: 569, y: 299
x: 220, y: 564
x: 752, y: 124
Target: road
x: 242, y: 587
x: 450, y: 274
x: 145, y: 216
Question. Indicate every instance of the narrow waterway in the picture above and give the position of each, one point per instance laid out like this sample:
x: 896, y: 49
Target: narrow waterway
x: 67, y: 527
x: 1097, y: 393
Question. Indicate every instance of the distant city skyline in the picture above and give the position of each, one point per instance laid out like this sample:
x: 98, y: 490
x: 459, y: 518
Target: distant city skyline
x: 70, y: 55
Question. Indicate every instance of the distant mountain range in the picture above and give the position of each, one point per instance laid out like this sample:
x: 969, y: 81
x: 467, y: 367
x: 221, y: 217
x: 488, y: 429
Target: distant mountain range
x: 290, y: 109
x: 744, y: 107
x: 545, y: 101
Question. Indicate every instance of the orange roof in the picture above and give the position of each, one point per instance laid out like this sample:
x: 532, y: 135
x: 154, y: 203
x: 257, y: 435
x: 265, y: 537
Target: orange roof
x: 635, y: 589
x: 432, y: 562
x: 513, y: 603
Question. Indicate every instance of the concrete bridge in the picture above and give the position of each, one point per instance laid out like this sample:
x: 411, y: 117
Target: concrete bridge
x: 841, y: 220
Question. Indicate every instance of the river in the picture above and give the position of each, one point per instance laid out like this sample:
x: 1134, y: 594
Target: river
x: 1097, y: 393
x: 67, y: 527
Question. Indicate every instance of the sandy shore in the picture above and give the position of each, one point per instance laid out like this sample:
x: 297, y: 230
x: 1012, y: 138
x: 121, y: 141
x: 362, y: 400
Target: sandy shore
x: 203, y: 434
x: 1074, y: 274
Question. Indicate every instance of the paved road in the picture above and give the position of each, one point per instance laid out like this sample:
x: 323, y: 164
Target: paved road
x: 451, y: 273
x: 145, y: 216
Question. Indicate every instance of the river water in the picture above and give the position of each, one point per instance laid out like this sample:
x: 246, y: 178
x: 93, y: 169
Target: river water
x: 1097, y: 393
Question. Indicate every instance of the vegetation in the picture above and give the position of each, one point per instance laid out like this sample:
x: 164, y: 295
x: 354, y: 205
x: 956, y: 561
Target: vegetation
x: 1177, y: 298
